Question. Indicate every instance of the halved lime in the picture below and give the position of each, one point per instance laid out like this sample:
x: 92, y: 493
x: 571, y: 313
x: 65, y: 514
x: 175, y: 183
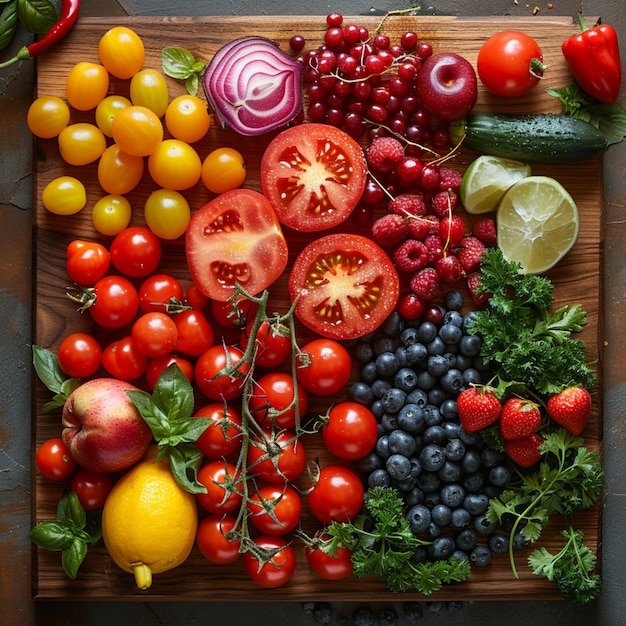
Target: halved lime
x: 486, y: 180
x: 537, y: 223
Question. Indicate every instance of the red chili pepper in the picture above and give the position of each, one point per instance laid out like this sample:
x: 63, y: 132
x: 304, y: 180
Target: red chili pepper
x: 67, y: 19
x: 593, y: 58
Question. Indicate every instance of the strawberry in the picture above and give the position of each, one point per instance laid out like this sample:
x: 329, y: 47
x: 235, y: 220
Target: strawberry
x: 478, y: 407
x: 525, y: 450
x: 570, y: 408
x: 519, y: 418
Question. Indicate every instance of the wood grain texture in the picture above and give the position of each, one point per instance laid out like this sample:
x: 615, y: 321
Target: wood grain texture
x: 577, y: 278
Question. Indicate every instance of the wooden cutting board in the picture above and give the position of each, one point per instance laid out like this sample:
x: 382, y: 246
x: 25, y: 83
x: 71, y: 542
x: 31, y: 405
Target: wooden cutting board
x: 578, y: 279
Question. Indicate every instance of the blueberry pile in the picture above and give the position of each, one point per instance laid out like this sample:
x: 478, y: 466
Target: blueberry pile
x: 411, y: 374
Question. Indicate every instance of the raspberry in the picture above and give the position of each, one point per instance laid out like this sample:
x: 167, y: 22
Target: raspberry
x: 449, y: 269
x: 485, y: 230
x: 473, y: 284
x: 384, y: 153
x: 419, y: 227
x: 410, y: 306
x: 444, y: 202
x: 410, y: 256
x: 449, y: 179
x: 408, y: 204
x: 389, y: 229
x: 434, y: 243
x: 470, y: 252
x: 425, y: 283
x: 452, y: 230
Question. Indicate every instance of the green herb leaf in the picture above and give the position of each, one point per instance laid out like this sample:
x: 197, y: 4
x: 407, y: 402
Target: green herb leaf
x: 47, y: 368
x: 185, y: 461
x: 70, y: 512
x: 8, y: 23
x: 37, y: 16
x: 72, y: 557
x: 181, y: 64
x: 51, y: 535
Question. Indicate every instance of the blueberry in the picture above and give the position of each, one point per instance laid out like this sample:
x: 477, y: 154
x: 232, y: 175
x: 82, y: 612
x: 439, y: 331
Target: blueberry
x: 387, y: 617
x: 437, y: 365
x: 454, y: 450
x: 452, y: 495
x: 393, y: 400
x: 473, y: 481
x: 387, y: 364
x: 436, y: 396
x: 459, y: 554
x: 450, y: 333
x: 419, y: 518
x: 466, y: 540
x: 432, y: 499
x: 380, y: 387
x: 412, y: 612
x: 432, y: 415
x: 453, y: 317
x: 471, y: 461
x: 383, y: 344
x: 441, y: 514
x: 408, y: 336
x: 460, y: 518
x: 405, y: 379
x: 469, y: 318
x: 389, y: 422
x: 454, y: 300
x: 452, y: 382
x: 449, y: 411
x: 379, y: 478
x: 483, y: 525
x: 436, y: 346
x: 420, y: 555
x: 470, y: 345
x: 363, y: 616
x: 416, y: 353
x: 405, y: 485
x: 480, y: 556
x: 450, y: 472
x: 491, y: 457
x: 434, y: 530
x: 382, y: 447
x: 322, y: 613
x: 393, y: 325
x: 426, y: 381
x: 441, y: 548
x: 498, y: 543
x: 398, y: 467
x: 519, y: 541
x: 401, y: 442
x: 411, y: 418
x: 400, y: 353
x: 471, y: 376
x: 473, y: 439
x: 426, y: 332
x: 415, y: 496
x: 428, y: 481
x: 463, y: 362
x: 435, y: 434
x: 451, y: 428
x: 417, y: 396
x: 476, y: 503
x: 363, y: 352
x: 377, y: 409
x: 499, y: 475
x: 432, y: 457
x: 370, y: 462
x: 362, y: 393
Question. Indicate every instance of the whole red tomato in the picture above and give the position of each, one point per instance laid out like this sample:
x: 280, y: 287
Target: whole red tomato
x: 273, y: 344
x: 195, y: 334
x: 157, y: 366
x: 158, y: 291
x: 220, y: 480
x: 224, y: 386
x: 54, y: 459
x: 324, y: 368
x: 121, y: 359
x: 154, y: 334
x: 92, y: 488
x: 510, y: 63
x: 277, y: 459
x: 337, y: 495
x: 212, y: 541
x: 79, y: 355
x: 136, y: 251
x: 275, y: 509
x: 224, y: 435
x: 278, y: 570
x: 327, y: 566
x: 350, y: 430
x: 115, y: 302
x: 87, y: 262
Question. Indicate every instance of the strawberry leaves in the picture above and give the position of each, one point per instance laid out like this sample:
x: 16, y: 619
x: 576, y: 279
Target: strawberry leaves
x: 168, y: 413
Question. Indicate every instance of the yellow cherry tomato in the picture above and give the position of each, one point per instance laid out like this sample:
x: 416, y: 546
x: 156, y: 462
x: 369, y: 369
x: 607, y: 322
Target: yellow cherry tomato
x: 86, y: 84
x: 187, y: 118
x: 47, y: 116
x: 149, y: 89
x: 81, y: 143
x: 118, y: 171
x: 167, y: 213
x: 137, y: 130
x: 106, y: 110
x: 223, y: 169
x: 121, y: 51
x: 64, y: 195
x: 175, y: 165
x: 111, y: 214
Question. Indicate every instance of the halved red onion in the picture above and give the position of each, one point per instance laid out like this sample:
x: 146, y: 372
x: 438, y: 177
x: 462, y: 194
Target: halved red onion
x: 253, y: 86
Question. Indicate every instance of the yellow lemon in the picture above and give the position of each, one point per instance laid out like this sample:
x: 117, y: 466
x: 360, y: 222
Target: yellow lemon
x: 149, y: 523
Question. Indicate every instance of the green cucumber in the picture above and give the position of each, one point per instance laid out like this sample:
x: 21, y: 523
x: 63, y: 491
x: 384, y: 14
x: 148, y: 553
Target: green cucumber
x: 542, y: 138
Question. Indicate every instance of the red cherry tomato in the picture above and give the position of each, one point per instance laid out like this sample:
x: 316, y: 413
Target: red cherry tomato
x: 273, y: 344
x: 275, y: 509
x: 79, y: 355
x: 135, y: 252
x: 195, y: 298
x: 224, y: 435
x: 313, y: 175
x: 350, y: 430
x: 116, y: 302
x: 326, y: 368
x: 235, y: 238
x: 278, y: 570
x: 122, y: 360
x: 272, y: 401
x: 220, y: 479
x: 212, y: 540
x: 277, y: 459
x: 510, y: 63
x: 157, y: 366
x: 54, y: 459
x: 327, y: 566
x: 213, y: 361
x: 337, y: 496
x: 92, y: 488
x: 87, y: 262
x: 195, y: 334
x: 158, y: 291
x: 346, y: 286
x: 154, y: 334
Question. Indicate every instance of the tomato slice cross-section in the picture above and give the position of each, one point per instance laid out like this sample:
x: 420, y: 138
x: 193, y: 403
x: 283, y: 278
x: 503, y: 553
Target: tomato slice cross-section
x: 235, y: 239
x: 346, y: 286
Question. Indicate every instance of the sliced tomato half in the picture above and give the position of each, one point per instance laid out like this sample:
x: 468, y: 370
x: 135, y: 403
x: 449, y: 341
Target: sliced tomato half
x: 314, y: 175
x: 347, y: 286
x: 235, y: 238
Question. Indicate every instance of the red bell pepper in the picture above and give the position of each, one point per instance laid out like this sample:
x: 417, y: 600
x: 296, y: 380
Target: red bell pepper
x: 593, y: 58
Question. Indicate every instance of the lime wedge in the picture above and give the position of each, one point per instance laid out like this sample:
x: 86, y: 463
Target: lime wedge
x: 537, y: 223
x: 486, y: 180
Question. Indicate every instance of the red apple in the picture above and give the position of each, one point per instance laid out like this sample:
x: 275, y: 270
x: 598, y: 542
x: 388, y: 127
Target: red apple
x: 447, y: 86
x: 102, y: 428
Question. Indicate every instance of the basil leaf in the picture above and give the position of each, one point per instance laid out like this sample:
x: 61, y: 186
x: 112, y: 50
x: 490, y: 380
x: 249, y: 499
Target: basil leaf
x: 8, y: 23
x: 184, y: 461
x: 191, y: 84
x: 51, y: 535
x: 154, y: 417
x: 72, y: 557
x: 173, y: 393
x: 177, y: 62
x: 47, y: 368
x: 70, y: 512
x: 37, y: 16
